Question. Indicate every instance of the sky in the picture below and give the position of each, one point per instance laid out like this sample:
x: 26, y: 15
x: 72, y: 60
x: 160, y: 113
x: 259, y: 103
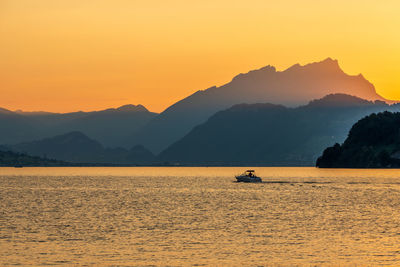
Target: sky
x: 69, y: 55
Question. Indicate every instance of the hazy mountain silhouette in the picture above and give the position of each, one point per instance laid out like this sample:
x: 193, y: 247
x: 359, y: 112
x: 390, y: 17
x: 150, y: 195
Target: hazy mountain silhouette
x: 5, y: 111
x: 78, y: 148
x: 292, y: 87
x: 16, y: 128
x: 373, y: 142
x: 73, y: 146
x: 111, y: 127
x: 269, y: 134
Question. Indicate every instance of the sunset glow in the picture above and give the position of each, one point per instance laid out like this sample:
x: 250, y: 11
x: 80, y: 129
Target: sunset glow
x: 89, y: 55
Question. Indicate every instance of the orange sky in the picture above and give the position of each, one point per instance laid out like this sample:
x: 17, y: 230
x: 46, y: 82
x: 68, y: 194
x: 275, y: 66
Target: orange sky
x: 69, y: 55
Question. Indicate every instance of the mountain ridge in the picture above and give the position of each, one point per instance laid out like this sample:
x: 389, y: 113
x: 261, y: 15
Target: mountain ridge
x: 271, y: 135
x: 76, y: 147
x: 126, y: 107
x: 112, y: 127
x: 294, y: 86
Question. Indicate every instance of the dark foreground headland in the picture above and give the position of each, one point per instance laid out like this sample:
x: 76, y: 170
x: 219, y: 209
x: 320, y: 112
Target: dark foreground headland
x: 373, y: 142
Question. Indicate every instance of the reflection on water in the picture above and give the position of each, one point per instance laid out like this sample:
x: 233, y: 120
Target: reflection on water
x: 175, y: 216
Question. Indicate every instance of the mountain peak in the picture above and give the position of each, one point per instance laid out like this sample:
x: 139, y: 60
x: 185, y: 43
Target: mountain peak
x: 132, y: 108
x: 330, y: 60
x: 328, y: 64
x: 335, y: 100
x: 5, y: 111
x: 71, y: 137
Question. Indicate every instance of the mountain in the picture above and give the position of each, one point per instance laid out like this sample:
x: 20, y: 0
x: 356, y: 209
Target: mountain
x: 292, y: 87
x: 15, y: 127
x: 10, y: 159
x: 136, y: 155
x: 5, y: 111
x: 111, y: 127
x: 73, y: 146
x: 268, y: 134
x: 373, y: 142
x: 76, y: 147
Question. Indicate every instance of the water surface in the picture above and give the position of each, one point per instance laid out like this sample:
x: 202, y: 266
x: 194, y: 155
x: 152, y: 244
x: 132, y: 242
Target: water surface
x: 186, y: 216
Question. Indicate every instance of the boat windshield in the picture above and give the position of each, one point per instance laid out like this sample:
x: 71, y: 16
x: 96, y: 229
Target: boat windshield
x: 250, y: 173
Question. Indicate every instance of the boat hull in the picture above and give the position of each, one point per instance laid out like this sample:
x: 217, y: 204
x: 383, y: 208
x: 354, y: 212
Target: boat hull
x: 247, y: 179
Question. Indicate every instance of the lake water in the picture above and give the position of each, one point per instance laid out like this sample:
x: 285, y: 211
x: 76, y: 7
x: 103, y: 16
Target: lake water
x: 198, y: 216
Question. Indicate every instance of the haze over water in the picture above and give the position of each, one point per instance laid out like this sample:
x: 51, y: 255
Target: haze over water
x: 186, y: 216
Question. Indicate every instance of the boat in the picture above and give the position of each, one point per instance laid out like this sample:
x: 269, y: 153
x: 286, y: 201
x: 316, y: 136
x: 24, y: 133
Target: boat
x: 248, y: 176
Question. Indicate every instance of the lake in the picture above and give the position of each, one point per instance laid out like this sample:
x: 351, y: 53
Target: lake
x: 150, y: 216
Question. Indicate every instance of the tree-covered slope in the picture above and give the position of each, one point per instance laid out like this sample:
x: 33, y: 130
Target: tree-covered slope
x: 373, y: 142
x: 267, y: 134
x: 10, y: 159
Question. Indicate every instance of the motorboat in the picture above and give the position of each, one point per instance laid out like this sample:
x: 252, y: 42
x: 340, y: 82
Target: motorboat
x: 248, y: 176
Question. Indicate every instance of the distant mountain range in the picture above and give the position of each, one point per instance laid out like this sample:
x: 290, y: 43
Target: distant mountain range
x: 245, y: 134
x: 260, y: 117
x: 75, y: 147
x: 111, y: 127
x: 268, y: 134
x: 292, y: 87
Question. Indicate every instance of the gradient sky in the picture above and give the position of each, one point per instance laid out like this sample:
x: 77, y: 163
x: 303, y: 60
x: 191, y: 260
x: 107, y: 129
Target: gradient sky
x: 68, y: 55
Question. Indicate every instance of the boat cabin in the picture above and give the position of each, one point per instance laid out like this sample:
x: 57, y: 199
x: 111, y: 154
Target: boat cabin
x: 248, y: 176
x: 250, y: 173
